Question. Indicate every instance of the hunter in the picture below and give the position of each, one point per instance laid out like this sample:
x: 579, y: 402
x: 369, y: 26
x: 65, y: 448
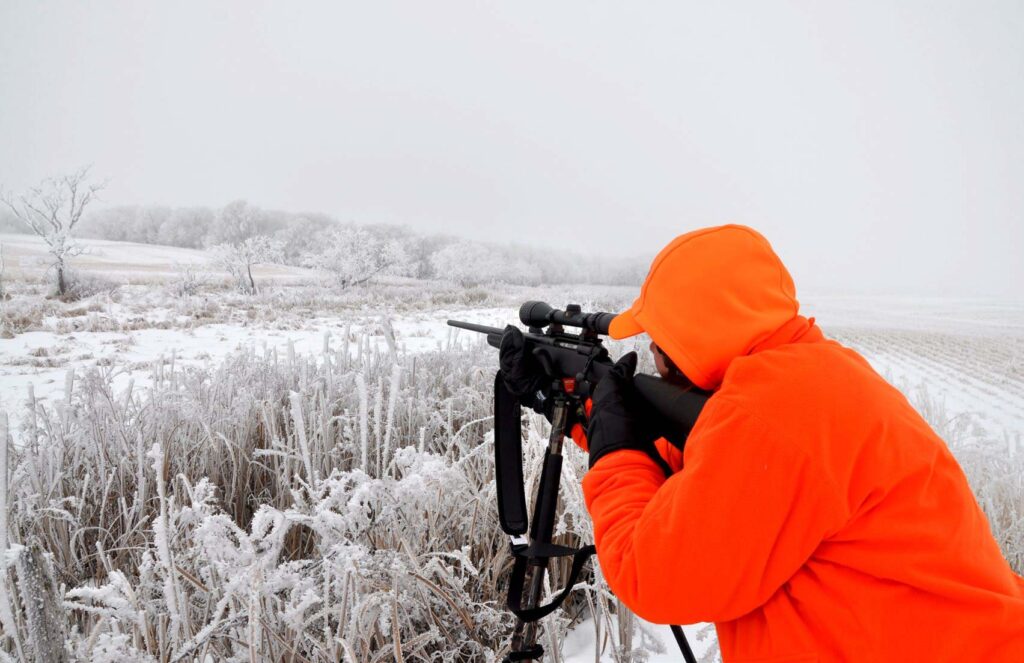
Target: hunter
x: 813, y: 514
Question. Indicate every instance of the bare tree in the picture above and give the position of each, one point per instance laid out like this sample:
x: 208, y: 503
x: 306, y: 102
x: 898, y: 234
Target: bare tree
x: 52, y: 209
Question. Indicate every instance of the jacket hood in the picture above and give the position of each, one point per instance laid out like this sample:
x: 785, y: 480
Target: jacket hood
x: 713, y: 295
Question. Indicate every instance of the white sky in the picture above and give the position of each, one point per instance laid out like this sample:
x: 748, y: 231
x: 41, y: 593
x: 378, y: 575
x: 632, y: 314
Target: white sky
x: 878, y: 145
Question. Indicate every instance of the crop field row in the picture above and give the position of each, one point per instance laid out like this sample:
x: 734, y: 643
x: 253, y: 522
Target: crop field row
x: 978, y: 377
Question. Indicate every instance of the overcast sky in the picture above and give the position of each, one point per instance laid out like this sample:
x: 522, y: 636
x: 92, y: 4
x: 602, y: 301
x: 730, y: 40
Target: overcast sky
x: 878, y: 145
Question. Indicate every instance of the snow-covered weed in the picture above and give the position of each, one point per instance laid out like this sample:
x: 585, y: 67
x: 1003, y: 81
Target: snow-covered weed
x: 82, y: 284
x: 235, y: 512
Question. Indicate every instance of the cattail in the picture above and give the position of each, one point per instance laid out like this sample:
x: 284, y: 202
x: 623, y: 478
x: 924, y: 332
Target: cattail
x: 364, y: 423
x: 69, y: 385
x: 4, y: 434
x: 344, y: 343
x: 128, y: 393
x: 378, y: 440
x: 33, y: 415
x: 396, y: 377
x: 300, y: 433
x: 6, y: 610
x: 389, y: 337
x: 161, y: 537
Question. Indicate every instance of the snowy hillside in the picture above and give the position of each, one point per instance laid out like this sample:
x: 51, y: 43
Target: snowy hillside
x: 124, y: 262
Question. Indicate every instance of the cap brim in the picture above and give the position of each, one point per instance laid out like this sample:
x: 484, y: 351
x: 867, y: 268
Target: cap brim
x: 624, y: 325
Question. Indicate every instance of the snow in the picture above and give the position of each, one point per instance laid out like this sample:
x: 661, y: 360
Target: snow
x: 578, y: 645
x: 133, y: 354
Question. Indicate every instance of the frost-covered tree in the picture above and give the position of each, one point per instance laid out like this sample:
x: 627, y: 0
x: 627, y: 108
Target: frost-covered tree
x: 352, y: 256
x: 303, y: 235
x: 187, y: 227
x: 466, y: 263
x: 53, y: 209
x: 234, y: 223
x: 239, y: 259
x: 118, y: 223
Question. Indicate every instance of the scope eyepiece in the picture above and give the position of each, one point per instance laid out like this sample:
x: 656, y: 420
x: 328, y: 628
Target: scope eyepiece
x: 541, y: 314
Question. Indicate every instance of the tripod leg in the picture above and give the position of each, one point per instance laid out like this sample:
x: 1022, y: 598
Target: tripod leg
x: 524, y: 637
x: 684, y: 646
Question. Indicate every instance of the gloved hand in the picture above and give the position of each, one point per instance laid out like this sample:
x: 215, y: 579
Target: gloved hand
x: 521, y: 371
x: 617, y: 419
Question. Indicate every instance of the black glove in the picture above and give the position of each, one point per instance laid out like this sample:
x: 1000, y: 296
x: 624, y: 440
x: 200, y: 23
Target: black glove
x: 617, y: 420
x: 522, y: 372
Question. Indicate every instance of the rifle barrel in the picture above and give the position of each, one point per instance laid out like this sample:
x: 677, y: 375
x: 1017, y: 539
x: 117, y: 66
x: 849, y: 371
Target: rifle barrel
x: 471, y: 326
x: 493, y: 333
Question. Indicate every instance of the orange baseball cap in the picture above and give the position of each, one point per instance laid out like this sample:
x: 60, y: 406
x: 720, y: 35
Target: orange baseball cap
x: 711, y: 295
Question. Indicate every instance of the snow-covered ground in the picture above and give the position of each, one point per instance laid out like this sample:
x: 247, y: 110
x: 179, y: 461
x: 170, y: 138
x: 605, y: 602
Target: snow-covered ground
x: 578, y: 646
x: 969, y: 355
x: 44, y: 358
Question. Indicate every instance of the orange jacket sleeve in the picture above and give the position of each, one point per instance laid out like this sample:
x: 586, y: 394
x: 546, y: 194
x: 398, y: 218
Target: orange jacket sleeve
x: 717, y: 539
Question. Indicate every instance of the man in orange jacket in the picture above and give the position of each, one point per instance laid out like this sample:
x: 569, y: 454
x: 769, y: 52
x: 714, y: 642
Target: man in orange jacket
x: 814, y: 515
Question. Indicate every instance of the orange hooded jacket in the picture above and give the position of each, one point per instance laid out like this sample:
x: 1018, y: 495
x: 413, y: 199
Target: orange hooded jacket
x: 814, y: 515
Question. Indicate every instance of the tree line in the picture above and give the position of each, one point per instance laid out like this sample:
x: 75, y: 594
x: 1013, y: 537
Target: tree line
x: 240, y: 235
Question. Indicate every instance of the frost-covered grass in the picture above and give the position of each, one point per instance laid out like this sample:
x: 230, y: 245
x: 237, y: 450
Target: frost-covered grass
x: 318, y: 507
x: 133, y: 306
x: 137, y: 325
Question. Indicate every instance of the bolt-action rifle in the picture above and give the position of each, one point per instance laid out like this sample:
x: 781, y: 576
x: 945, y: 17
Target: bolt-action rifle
x: 573, y: 363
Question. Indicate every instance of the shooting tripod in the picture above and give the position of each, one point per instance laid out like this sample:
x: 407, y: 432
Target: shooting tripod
x: 535, y: 552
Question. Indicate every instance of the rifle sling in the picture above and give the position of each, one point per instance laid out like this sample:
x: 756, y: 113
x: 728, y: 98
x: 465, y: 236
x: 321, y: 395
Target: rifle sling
x: 512, y: 514
x: 508, y: 459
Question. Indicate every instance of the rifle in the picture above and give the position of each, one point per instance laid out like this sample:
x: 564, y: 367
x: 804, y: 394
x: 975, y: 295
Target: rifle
x: 574, y: 363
